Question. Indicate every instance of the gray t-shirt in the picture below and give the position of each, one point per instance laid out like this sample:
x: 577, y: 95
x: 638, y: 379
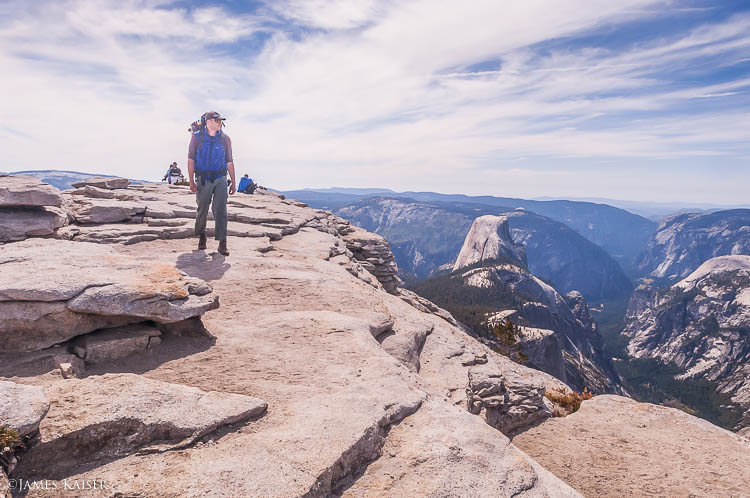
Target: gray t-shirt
x: 226, y: 142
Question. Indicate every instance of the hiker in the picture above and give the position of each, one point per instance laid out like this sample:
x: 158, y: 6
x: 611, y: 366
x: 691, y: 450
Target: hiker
x: 209, y: 161
x: 173, y: 174
x: 246, y: 186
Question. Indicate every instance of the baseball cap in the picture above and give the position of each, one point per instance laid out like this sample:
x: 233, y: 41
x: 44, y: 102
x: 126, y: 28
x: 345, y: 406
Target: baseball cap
x: 214, y: 115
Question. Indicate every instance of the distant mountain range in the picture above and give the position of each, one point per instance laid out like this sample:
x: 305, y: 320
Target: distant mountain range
x: 683, y: 242
x: 652, y: 210
x: 701, y: 326
x: 425, y: 237
x: 621, y: 233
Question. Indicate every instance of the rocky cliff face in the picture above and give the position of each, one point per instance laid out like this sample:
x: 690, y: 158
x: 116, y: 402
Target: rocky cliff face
x: 488, y: 289
x: 117, y: 308
x: 621, y: 233
x: 489, y: 239
x: 540, y: 306
x: 424, y: 237
x: 701, y: 324
x: 683, y: 242
x: 316, y: 376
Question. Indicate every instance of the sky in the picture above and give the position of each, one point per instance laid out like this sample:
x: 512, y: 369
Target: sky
x: 641, y: 100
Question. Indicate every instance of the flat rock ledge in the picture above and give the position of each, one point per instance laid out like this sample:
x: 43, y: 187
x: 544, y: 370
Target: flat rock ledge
x: 113, y: 211
x: 110, y: 212
x: 114, y: 415
x: 44, y: 302
x: 29, y: 208
x: 105, y: 182
x: 615, y: 446
x: 110, y: 344
x: 26, y: 191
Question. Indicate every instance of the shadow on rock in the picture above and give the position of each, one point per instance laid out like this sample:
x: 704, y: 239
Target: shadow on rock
x: 172, y: 347
x: 122, y: 435
x: 177, y: 340
x: 200, y: 264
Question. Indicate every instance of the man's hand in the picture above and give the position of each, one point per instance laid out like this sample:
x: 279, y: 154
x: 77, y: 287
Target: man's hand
x: 193, y: 187
x: 231, y: 189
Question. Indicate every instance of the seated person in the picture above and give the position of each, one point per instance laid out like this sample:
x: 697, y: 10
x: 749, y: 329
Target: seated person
x: 173, y: 174
x: 246, y: 185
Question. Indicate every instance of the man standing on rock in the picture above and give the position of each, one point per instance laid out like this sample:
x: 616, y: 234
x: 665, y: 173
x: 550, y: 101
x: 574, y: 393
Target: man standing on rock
x: 209, y: 161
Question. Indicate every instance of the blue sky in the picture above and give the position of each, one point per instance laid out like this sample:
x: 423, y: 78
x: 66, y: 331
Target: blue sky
x: 635, y: 99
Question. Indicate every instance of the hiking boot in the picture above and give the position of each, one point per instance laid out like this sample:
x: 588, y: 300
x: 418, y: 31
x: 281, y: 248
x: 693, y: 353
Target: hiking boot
x: 223, y: 248
x: 202, y: 241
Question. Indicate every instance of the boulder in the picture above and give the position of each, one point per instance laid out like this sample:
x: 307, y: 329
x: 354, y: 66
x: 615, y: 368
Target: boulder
x: 25, y: 191
x: 110, y: 183
x: 110, y: 344
x: 96, y: 210
x: 506, y: 401
x: 404, y: 341
x: 113, y: 415
x: 22, y: 407
x: 21, y: 223
x: 373, y: 253
x: 70, y: 366
x: 93, y: 192
x: 43, y: 302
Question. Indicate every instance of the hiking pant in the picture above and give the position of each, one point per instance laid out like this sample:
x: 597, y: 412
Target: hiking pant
x: 217, y: 190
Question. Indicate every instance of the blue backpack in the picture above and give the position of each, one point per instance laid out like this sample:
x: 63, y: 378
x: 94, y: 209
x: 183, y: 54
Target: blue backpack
x: 210, y: 159
x: 247, y: 185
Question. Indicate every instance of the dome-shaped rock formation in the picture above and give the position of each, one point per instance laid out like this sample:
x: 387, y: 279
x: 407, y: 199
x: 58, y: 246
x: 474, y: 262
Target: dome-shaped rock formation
x: 489, y: 239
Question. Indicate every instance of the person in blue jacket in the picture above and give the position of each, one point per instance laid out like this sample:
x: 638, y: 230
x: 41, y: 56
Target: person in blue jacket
x: 209, y: 163
x: 246, y: 185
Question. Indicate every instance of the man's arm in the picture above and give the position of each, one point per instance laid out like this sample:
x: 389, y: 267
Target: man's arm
x: 230, y: 169
x: 191, y: 175
x: 230, y: 162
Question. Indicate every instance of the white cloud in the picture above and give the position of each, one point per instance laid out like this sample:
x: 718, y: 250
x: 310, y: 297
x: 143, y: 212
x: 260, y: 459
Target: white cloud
x: 328, y: 14
x: 376, y: 94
